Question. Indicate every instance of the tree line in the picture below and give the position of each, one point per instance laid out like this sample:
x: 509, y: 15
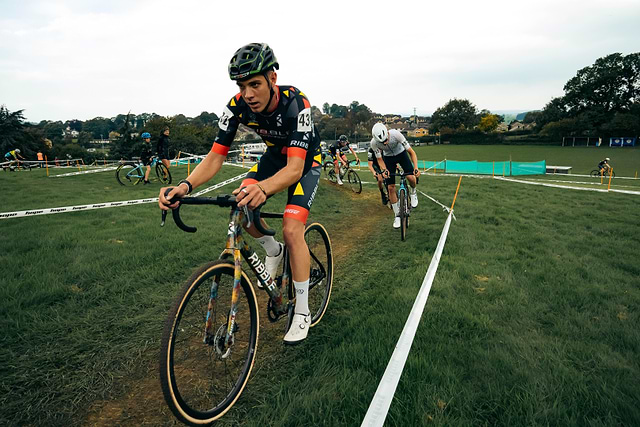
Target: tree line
x: 602, y: 100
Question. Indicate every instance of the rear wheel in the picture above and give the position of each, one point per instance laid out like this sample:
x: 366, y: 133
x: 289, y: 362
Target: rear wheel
x: 354, y: 181
x: 202, y: 373
x: 331, y: 175
x: 163, y: 174
x: 595, y: 173
x: 129, y: 174
x: 402, y: 197
x: 321, y: 274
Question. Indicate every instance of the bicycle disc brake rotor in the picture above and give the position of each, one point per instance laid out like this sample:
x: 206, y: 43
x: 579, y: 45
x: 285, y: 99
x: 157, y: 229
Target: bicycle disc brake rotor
x: 222, y: 350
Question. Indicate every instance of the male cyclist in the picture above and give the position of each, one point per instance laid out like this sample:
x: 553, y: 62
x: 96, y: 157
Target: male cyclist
x: 374, y: 167
x: 12, y: 156
x: 338, y: 152
x: 281, y: 116
x: 604, y: 166
x: 392, y: 149
x: 145, y: 155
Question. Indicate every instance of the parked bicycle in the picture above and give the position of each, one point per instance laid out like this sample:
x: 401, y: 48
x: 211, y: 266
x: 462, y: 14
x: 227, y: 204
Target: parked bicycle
x: 404, y: 203
x: 210, y: 337
x: 132, y: 173
x: 351, y: 175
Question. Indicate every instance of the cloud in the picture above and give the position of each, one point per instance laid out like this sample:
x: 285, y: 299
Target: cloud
x: 77, y: 59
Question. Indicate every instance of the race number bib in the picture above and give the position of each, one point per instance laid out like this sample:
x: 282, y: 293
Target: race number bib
x: 304, y: 120
x: 223, y: 121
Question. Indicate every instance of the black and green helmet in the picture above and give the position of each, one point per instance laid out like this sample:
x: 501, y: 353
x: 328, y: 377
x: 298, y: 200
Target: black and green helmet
x: 254, y: 58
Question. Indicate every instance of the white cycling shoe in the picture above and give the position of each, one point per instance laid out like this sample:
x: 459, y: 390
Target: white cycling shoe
x: 396, y: 222
x: 414, y: 199
x: 299, y: 329
x: 271, y: 263
x: 340, y: 182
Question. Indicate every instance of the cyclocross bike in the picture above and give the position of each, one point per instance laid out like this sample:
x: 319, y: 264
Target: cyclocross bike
x: 351, y: 176
x: 404, y: 204
x: 210, y: 337
x: 132, y: 173
x: 597, y: 173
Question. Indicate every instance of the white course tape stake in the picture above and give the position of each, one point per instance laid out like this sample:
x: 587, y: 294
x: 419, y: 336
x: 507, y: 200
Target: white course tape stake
x: 35, y: 212
x: 381, y: 402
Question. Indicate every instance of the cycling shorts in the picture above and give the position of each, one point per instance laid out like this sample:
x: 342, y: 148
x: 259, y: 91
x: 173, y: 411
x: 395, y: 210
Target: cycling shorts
x: 300, y: 195
x: 391, y: 162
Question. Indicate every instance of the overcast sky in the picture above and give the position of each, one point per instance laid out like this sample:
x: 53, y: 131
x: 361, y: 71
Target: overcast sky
x: 62, y: 60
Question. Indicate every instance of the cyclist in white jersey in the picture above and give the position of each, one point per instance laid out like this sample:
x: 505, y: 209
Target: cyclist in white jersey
x: 391, y: 149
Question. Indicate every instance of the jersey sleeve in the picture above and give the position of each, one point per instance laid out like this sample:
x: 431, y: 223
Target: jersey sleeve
x: 300, y: 126
x: 228, y: 124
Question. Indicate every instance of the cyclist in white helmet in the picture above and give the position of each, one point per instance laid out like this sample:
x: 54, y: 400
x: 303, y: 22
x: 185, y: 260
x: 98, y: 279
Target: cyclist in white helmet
x: 392, y: 149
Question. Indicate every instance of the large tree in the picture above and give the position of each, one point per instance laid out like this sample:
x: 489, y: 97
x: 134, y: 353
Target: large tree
x: 611, y: 83
x: 456, y: 114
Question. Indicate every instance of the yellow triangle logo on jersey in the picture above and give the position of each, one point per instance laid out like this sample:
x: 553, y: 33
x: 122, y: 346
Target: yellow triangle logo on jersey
x: 286, y: 93
x: 252, y: 124
x: 254, y: 168
x: 240, y: 116
x: 301, y: 93
x: 233, y: 102
x: 318, y: 158
x: 269, y: 144
x: 298, y: 191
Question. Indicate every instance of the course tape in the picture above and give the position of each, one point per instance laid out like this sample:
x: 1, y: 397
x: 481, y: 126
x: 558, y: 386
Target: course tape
x: 49, y: 211
x: 600, y: 190
x: 85, y: 172
x: 381, y: 402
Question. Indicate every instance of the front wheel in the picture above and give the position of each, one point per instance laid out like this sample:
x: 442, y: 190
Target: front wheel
x: 129, y: 174
x: 328, y: 165
x: 403, y: 213
x: 202, y: 374
x: 321, y: 273
x: 163, y: 173
x: 354, y: 181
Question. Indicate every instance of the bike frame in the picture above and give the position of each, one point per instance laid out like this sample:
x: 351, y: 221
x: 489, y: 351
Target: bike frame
x: 238, y: 248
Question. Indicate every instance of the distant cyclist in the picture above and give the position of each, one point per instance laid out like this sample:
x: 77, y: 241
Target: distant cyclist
x: 604, y: 167
x: 145, y: 155
x: 13, y: 156
x: 374, y: 167
x: 338, y: 152
x: 392, y: 149
x: 162, y: 147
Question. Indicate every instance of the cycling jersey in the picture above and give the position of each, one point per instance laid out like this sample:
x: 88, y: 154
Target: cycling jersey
x: 11, y: 154
x: 288, y: 132
x: 371, y: 157
x: 397, y: 144
x: 602, y: 164
x: 336, y: 147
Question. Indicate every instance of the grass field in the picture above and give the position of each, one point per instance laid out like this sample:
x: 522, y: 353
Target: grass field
x: 532, y: 318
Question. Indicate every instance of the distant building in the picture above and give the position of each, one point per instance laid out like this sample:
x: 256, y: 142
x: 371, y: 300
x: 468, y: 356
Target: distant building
x: 418, y: 132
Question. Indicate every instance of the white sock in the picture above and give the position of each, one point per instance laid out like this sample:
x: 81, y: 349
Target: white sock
x: 396, y: 208
x: 302, y: 296
x: 412, y: 190
x: 270, y: 245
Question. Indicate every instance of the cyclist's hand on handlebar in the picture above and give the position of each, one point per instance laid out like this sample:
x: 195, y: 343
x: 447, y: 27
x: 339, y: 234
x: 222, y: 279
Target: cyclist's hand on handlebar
x: 416, y: 172
x: 386, y: 173
x: 251, y: 196
x: 171, y: 200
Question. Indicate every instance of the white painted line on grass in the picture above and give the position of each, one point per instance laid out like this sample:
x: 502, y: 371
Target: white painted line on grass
x: 48, y: 211
x: 381, y: 402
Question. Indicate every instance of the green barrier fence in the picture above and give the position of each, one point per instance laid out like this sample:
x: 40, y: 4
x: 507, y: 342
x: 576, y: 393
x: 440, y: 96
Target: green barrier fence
x: 506, y: 168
